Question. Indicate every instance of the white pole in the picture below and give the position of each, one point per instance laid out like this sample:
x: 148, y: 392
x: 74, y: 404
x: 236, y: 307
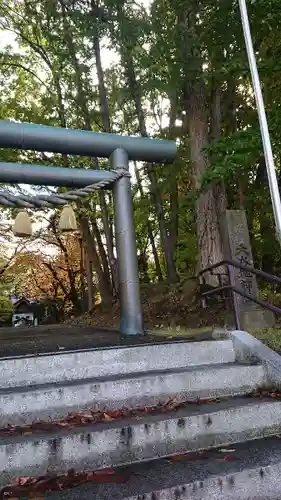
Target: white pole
x: 271, y: 172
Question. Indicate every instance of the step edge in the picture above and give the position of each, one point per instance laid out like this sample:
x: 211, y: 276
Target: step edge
x: 224, y: 486
x: 132, y: 376
x: 226, y: 341
x: 130, y: 422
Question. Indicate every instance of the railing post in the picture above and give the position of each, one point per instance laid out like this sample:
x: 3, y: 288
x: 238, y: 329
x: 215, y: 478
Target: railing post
x: 202, y: 281
x: 235, y: 302
x: 131, y: 321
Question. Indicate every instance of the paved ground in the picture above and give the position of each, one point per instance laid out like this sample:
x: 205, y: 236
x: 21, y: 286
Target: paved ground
x: 165, y: 473
x: 32, y: 340
x: 24, y: 341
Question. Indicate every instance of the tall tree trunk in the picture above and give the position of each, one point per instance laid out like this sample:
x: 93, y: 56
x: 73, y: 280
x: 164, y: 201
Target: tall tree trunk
x: 108, y: 237
x: 149, y: 230
x: 102, y: 253
x: 143, y: 267
x: 87, y: 124
x: 90, y: 244
x: 126, y: 56
x: 266, y: 221
x: 208, y: 228
x: 166, y: 244
x: 82, y: 275
x: 215, y: 132
x: 90, y: 284
x: 73, y: 294
x: 107, y: 128
x: 60, y: 105
x: 81, y: 99
x: 229, y: 118
x: 102, y: 88
x: 174, y: 193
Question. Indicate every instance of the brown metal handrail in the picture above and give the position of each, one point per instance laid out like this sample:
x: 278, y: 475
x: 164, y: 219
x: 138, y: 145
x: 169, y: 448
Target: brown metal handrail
x: 229, y: 264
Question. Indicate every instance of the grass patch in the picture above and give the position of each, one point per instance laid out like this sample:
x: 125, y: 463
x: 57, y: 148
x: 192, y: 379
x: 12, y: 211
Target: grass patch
x: 269, y: 336
x: 173, y: 333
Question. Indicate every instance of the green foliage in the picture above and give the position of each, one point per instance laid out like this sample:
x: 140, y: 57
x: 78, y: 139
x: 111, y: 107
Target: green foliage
x: 6, y: 310
x: 232, y: 155
x: 50, y: 75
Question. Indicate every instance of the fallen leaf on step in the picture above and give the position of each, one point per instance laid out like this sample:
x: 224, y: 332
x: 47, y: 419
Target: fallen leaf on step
x: 107, y: 417
x: 225, y: 459
x: 108, y: 476
x: 31, y: 487
x: 63, y: 424
x: 187, y: 456
x: 22, y: 480
x: 107, y: 471
x: 177, y: 458
x: 173, y: 404
x: 117, y: 413
x: 210, y: 401
x: 88, y: 416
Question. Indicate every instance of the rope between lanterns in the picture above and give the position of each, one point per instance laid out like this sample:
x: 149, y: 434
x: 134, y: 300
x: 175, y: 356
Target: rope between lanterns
x: 22, y: 224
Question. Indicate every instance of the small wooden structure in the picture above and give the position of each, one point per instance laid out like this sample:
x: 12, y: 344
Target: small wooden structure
x: 25, y: 310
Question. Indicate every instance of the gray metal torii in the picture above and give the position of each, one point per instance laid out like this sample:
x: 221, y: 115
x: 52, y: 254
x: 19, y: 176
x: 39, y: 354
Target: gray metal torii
x: 119, y: 149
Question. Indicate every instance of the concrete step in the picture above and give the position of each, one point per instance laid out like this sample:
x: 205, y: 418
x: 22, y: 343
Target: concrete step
x: 251, y: 473
x: 70, y: 366
x: 54, y: 401
x: 123, y: 441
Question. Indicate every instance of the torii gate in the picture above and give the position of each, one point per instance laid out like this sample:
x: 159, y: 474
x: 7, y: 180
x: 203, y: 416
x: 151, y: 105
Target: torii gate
x: 119, y: 149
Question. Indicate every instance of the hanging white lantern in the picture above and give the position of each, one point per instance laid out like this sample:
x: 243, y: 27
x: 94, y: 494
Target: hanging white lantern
x: 67, y: 220
x: 22, y: 225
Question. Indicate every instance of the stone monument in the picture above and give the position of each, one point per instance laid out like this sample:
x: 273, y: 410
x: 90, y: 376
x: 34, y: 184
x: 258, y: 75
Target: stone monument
x: 237, y: 247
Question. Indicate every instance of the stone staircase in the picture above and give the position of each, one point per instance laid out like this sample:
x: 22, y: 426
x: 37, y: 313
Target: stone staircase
x: 225, y: 447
